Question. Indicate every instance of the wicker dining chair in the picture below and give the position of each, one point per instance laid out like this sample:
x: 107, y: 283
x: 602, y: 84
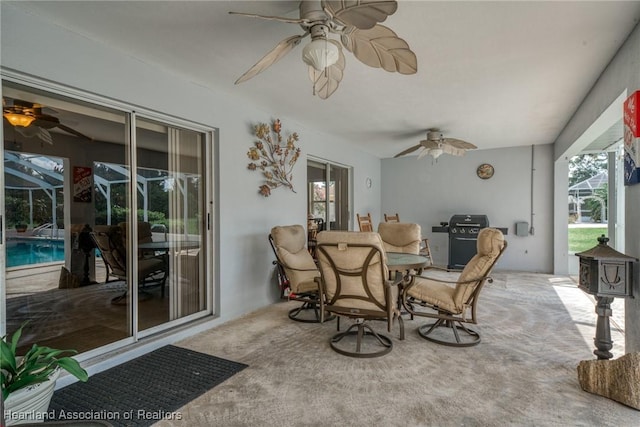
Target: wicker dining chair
x: 364, y: 222
x: 392, y: 217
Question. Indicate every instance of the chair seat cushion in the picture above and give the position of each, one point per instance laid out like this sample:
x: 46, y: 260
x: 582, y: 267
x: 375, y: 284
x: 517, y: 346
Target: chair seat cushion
x: 434, y: 293
x: 146, y: 266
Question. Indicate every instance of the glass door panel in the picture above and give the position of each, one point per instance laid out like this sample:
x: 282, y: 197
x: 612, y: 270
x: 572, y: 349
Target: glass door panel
x: 53, y: 277
x: 170, y: 182
x: 338, y: 197
x: 328, y: 194
x: 316, y: 178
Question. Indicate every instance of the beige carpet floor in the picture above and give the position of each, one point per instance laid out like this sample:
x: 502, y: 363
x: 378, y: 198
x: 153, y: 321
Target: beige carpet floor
x: 535, y: 329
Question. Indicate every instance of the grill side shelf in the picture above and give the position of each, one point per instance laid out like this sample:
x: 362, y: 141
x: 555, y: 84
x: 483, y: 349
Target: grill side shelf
x: 439, y: 229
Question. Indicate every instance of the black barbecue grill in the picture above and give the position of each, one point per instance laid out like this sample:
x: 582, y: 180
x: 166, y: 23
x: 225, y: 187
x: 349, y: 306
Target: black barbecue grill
x: 463, y: 238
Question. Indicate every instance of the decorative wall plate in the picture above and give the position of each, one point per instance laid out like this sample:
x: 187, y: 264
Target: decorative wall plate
x: 485, y: 171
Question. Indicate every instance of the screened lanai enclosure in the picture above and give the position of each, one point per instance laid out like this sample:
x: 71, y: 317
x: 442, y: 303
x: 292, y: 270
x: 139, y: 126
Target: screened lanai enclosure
x: 34, y: 200
x: 594, y: 190
x: 71, y: 204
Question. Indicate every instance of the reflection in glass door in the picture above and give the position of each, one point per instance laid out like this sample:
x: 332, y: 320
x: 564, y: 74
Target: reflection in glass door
x: 71, y: 269
x: 170, y: 169
x: 54, y: 279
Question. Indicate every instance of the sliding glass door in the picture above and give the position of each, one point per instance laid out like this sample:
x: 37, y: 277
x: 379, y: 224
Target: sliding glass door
x: 328, y: 193
x: 173, y: 200
x: 54, y: 280
x: 71, y: 204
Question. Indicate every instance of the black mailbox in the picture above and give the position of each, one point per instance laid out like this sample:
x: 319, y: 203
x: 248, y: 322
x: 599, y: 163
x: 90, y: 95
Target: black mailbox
x: 606, y: 272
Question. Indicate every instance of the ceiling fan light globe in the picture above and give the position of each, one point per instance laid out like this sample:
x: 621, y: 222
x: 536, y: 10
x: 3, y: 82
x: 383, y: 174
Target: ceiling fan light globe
x: 21, y: 120
x: 320, y: 54
x: 436, y: 152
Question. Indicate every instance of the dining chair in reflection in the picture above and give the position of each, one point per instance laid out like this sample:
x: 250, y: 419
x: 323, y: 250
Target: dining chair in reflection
x: 110, y: 241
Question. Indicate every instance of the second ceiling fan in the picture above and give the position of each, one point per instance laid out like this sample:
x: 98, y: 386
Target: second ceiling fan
x: 29, y: 120
x: 436, y: 144
x: 357, y: 24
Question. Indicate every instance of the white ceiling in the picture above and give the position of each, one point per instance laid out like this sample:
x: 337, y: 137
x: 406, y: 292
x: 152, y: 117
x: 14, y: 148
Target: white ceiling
x: 497, y: 74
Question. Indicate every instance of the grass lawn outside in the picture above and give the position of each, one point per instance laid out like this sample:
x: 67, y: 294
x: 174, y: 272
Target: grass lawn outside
x: 583, y: 238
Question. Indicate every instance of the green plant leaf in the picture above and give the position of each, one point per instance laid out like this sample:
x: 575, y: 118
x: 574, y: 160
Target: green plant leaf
x: 51, y: 354
x: 34, y: 367
x: 72, y: 366
x: 30, y: 353
x: 7, y: 358
x: 16, y: 337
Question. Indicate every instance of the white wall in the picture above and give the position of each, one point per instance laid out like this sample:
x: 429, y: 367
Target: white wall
x: 429, y: 192
x: 622, y: 74
x: 37, y: 48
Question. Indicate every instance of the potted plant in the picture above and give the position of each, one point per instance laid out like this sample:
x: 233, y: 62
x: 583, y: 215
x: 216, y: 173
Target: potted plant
x: 28, y: 381
x: 21, y: 227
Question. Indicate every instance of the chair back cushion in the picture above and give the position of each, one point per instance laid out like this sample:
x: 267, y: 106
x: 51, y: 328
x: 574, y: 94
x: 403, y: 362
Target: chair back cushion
x: 144, y: 231
x: 489, y: 247
x: 144, y: 236
x: 400, y: 237
x: 289, y: 243
x: 110, y: 241
x: 346, y: 258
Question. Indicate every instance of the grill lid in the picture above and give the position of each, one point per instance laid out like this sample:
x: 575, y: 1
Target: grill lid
x: 462, y: 220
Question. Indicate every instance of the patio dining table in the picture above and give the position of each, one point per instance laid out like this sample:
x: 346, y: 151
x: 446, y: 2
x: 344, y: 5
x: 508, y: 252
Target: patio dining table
x: 404, y: 262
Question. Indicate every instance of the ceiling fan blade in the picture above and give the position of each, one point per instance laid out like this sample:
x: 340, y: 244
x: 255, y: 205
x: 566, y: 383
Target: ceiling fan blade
x: 45, y: 135
x: 46, y: 122
x: 27, y: 132
x: 458, y: 143
x: 408, y: 150
x: 363, y: 14
x: 35, y: 132
x: 72, y: 131
x: 326, y: 82
x: 454, y: 151
x: 273, y: 18
x: 380, y: 47
x: 424, y: 152
x: 281, y: 49
x: 427, y: 143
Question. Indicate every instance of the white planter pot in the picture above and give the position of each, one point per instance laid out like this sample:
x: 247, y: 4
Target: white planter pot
x: 30, y: 404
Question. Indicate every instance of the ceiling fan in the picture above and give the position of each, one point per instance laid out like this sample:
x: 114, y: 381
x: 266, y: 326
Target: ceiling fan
x: 436, y: 145
x: 29, y: 120
x: 356, y: 22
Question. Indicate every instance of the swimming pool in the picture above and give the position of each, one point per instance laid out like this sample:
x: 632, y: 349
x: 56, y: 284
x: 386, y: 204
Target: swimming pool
x: 33, y: 251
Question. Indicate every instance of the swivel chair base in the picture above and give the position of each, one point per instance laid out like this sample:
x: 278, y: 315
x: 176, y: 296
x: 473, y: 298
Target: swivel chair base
x: 446, y: 332
x: 308, y: 312
x: 362, y: 331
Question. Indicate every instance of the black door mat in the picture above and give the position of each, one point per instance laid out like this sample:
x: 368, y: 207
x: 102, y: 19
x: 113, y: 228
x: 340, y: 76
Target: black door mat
x: 144, y: 390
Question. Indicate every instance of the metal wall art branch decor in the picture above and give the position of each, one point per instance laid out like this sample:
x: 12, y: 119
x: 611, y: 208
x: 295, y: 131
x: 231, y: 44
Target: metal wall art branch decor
x: 273, y: 158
